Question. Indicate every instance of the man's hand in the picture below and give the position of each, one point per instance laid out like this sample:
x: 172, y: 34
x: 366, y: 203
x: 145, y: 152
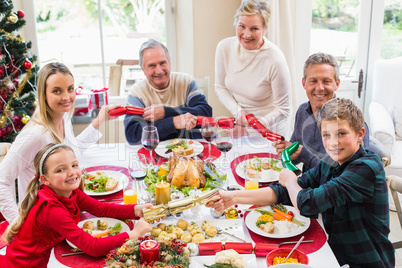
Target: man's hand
x: 187, y: 121
x: 282, y: 145
x: 154, y: 113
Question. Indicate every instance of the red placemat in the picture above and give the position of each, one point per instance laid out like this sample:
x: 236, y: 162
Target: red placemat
x: 241, y: 158
x: 314, y: 232
x: 3, y: 227
x: 81, y: 260
x: 159, y: 160
x: 118, y: 194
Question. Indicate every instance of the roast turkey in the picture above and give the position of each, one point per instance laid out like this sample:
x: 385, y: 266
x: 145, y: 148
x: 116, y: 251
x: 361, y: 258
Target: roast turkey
x: 185, y: 171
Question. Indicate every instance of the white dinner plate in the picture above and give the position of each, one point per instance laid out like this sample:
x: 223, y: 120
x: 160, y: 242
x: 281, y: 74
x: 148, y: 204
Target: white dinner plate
x: 269, y: 177
x: 252, y: 217
x: 199, y: 261
x: 110, y: 222
x: 161, y: 148
x: 122, y: 178
x: 233, y: 226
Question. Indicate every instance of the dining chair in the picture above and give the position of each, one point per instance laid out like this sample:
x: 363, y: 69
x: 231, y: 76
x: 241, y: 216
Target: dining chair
x: 203, y: 85
x: 116, y: 71
x: 395, y: 186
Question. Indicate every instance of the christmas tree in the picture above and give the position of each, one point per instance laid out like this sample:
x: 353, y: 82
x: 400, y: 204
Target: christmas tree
x: 18, y: 74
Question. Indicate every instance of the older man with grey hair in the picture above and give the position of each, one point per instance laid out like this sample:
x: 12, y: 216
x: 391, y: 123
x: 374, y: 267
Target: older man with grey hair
x: 320, y: 80
x: 172, y: 101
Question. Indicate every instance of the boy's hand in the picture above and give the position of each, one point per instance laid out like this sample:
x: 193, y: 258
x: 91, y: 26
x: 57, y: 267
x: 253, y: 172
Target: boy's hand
x: 227, y: 200
x: 286, y: 177
x: 282, y: 145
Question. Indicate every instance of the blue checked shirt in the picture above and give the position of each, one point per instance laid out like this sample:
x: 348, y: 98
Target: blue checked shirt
x: 353, y: 200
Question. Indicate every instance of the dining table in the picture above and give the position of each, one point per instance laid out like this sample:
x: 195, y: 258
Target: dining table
x: 116, y: 156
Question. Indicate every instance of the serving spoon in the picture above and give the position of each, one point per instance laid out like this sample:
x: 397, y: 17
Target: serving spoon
x: 293, y: 249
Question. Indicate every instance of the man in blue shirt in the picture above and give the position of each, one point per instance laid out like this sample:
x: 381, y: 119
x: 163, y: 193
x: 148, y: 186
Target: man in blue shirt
x: 320, y: 80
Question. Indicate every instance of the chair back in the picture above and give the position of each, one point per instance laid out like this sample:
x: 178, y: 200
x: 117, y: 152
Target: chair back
x: 387, y: 82
x: 395, y: 186
x: 203, y: 85
x: 378, y: 148
x: 115, y: 75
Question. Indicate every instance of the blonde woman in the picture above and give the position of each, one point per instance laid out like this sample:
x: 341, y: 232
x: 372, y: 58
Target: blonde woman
x: 251, y: 73
x: 55, y: 191
x: 50, y: 123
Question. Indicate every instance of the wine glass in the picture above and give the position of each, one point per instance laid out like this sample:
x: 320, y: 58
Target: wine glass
x: 150, y: 140
x: 208, y: 132
x: 223, y: 143
x: 138, y: 169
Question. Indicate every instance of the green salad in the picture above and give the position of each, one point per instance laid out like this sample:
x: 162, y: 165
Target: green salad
x: 96, y: 183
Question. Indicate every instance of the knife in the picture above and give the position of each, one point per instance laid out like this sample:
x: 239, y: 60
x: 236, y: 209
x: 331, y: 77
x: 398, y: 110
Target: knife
x: 213, y: 174
x: 107, y: 200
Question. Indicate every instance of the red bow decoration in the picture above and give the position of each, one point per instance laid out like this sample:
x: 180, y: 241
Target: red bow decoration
x: 120, y: 110
x: 253, y: 121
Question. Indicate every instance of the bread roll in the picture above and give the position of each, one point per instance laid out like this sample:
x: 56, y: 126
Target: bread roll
x: 111, y: 184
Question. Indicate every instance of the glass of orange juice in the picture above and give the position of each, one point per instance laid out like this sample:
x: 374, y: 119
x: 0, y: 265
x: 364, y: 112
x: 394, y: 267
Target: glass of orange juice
x: 251, y: 181
x: 130, y: 193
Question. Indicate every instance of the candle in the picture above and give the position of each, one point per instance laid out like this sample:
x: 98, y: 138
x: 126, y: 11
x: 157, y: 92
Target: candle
x: 162, y: 192
x: 149, y: 251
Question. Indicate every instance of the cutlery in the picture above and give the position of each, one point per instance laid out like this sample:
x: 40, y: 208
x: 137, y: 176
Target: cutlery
x: 107, y: 200
x: 220, y: 231
x: 73, y: 253
x: 213, y: 174
x: 293, y: 249
x: 84, y: 172
x: 168, y: 151
x: 216, y: 186
x: 294, y: 242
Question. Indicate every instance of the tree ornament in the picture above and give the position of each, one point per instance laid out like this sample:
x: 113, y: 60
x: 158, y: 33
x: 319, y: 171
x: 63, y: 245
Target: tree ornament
x: 20, y: 14
x: 12, y: 18
x: 25, y: 119
x: 27, y: 64
x: 35, y: 103
x: 3, y: 120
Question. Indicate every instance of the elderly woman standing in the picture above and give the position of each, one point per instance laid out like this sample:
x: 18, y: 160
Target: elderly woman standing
x: 251, y: 73
x: 50, y: 123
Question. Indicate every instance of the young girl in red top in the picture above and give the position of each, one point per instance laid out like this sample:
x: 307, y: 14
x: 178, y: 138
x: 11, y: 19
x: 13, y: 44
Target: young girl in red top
x: 50, y: 212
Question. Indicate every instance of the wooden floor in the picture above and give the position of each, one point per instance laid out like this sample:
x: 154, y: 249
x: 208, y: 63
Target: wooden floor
x: 396, y: 235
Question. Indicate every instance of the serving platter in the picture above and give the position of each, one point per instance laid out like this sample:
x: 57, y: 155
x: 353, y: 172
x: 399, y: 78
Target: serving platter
x: 269, y: 176
x: 110, y: 222
x: 199, y: 261
x: 161, y: 148
x: 122, y: 178
x: 252, y: 217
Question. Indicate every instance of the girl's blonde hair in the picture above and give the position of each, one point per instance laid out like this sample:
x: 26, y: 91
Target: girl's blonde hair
x: 43, y: 114
x: 254, y: 7
x: 32, y: 190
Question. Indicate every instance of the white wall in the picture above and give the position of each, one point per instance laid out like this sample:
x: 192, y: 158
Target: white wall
x: 200, y: 25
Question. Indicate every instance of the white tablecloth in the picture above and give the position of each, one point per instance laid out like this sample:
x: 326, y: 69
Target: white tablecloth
x: 119, y: 154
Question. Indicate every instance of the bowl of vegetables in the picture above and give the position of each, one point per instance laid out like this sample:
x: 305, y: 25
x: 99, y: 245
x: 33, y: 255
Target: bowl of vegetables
x: 277, y: 256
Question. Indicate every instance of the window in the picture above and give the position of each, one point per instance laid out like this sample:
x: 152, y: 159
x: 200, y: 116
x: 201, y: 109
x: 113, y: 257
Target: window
x: 70, y: 32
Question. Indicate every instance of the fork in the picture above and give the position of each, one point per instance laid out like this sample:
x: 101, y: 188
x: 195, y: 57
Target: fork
x: 84, y: 172
x: 220, y: 231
